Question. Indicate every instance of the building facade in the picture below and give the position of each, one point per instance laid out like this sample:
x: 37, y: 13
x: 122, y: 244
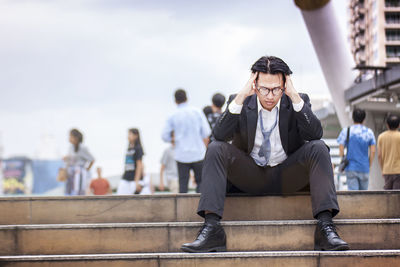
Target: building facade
x: 375, y: 32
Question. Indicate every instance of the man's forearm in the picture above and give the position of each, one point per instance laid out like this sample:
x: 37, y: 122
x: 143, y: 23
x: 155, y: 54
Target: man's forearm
x: 371, y: 159
x: 295, y: 97
x: 206, y: 141
x: 240, y: 97
x: 341, y: 150
x: 372, y: 150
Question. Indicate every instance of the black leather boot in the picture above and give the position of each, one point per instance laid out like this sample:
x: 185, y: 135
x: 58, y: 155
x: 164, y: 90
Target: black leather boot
x: 326, y: 237
x: 211, y: 238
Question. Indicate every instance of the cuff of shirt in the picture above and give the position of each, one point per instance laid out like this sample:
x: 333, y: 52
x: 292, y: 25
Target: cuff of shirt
x: 297, y: 107
x: 235, y: 108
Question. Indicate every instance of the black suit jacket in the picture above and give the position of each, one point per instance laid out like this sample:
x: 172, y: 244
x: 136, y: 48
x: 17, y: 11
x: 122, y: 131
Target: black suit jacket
x: 295, y: 128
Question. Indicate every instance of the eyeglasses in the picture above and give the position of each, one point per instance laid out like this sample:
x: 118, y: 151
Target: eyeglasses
x: 264, y: 91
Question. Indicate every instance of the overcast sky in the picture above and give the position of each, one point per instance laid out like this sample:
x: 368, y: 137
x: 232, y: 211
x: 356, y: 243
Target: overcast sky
x: 106, y: 66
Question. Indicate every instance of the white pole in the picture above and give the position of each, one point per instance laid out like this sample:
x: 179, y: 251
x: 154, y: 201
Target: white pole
x: 336, y: 62
x: 330, y: 45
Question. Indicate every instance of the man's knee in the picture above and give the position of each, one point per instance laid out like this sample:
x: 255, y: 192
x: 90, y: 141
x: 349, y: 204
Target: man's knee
x: 215, y: 147
x: 318, y: 146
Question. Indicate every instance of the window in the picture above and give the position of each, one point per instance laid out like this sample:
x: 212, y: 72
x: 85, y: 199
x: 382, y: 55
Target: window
x: 392, y: 35
x: 392, y: 51
x: 392, y: 18
x: 391, y: 3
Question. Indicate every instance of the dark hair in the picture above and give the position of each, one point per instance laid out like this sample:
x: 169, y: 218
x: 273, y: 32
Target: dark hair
x: 136, y: 131
x: 79, y: 136
x: 393, y: 122
x: 271, y: 65
x: 207, y: 110
x: 180, y: 96
x: 358, y: 115
x: 218, y: 100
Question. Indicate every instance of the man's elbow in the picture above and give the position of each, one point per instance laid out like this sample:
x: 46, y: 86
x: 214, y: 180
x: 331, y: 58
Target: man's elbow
x: 316, y: 135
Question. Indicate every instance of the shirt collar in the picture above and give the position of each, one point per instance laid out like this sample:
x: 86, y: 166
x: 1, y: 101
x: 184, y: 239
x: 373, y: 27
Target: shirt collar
x: 181, y: 105
x: 278, y: 105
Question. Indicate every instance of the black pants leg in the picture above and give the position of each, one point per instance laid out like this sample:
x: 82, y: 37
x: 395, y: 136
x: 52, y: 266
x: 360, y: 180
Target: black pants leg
x: 224, y: 161
x: 183, y: 173
x: 309, y: 165
x: 197, y: 169
x: 312, y: 163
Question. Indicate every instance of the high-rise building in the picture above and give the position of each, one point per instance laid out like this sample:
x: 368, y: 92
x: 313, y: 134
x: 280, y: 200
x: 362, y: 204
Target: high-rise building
x: 375, y: 32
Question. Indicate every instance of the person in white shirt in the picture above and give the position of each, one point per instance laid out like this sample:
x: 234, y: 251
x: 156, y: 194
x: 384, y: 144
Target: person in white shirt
x: 191, y: 131
x: 276, y: 148
x: 78, y: 162
x: 169, y: 168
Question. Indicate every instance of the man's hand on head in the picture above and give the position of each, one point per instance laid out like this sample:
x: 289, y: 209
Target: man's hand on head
x: 248, y: 90
x: 291, y: 92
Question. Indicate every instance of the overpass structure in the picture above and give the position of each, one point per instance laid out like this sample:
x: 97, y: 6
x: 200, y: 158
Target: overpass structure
x: 378, y: 96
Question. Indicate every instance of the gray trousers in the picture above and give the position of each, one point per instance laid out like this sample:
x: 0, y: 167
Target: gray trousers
x: 309, y: 167
x: 392, y: 181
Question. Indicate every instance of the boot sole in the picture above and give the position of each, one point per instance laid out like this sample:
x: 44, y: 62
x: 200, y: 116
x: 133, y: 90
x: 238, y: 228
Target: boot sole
x: 214, y: 249
x: 338, y: 248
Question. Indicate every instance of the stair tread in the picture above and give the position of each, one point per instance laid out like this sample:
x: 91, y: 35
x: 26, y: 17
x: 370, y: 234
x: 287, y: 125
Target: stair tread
x: 178, y: 255
x: 194, y: 224
x: 71, y: 198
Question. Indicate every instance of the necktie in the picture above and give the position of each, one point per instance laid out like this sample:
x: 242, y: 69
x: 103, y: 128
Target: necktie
x: 265, y: 149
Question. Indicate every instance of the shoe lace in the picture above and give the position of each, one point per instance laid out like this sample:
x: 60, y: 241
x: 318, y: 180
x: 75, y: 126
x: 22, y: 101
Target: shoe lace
x: 329, y: 227
x: 203, y: 231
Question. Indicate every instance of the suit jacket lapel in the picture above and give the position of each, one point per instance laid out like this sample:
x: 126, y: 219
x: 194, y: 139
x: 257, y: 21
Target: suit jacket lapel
x: 284, y: 122
x: 252, y: 117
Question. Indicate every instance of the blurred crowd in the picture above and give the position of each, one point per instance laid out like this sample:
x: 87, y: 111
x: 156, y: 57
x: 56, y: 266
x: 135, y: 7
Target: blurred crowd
x: 188, y: 130
x: 358, y: 141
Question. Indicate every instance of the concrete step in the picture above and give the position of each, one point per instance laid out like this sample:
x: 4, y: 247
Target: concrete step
x: 369, y: 258
x: 182, y: 207
x: 168, y: 237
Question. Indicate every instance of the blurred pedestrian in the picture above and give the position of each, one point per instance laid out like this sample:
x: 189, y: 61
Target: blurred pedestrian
x: 78, y: 163
x: 100, y: 185
x: 360, y: 151
x: 169, y: 168
x: 214, y: 111
x: 129, y: 183
x: 389, y: 153
x: 146, y: 184
x: 191, y: 131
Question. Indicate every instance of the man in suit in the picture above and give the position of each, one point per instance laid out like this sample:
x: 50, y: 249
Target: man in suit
x: 276, y: 148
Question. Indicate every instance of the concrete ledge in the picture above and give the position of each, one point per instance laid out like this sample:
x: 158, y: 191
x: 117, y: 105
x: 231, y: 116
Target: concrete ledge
x: 182, y: 207
x: 278, y: 258
x: 168, y: 237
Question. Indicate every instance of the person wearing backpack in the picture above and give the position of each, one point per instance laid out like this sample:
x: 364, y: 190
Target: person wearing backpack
x: 361, y: 147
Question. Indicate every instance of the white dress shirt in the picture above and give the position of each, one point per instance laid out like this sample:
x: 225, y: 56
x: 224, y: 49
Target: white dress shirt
x: 278, y: 154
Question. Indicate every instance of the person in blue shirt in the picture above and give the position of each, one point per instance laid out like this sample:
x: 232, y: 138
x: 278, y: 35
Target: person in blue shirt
x: 191, y: 131
x: 360, y: 151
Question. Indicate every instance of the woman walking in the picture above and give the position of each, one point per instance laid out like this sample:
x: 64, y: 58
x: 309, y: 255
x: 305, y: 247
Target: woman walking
x: 78, y: 164
x: 129, y: 183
